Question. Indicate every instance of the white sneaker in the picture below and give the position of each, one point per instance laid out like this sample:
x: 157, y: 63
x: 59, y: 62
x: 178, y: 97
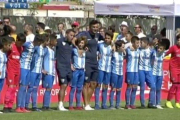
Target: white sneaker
x: 1, y: 112
x: 88, y: 108
x: 159, y: 107
x: 61, y: 107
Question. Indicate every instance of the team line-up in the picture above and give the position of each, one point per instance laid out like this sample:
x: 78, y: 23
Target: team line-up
x: 85, y: 62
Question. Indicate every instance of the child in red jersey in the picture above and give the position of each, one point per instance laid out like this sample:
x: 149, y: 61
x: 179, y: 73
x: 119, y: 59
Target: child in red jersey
x: 13, y: 71
x: 174, y: 74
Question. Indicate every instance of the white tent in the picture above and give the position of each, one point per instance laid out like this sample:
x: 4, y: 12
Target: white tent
x: 170, y: 8
x: 135, y: 7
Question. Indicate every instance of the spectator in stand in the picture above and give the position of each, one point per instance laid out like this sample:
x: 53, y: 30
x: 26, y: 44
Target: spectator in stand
x: 40, y: 28
x: 87, y: 28
x: 102, y: 31
x: 177, y: 31
x: 1, y: 29
x: 6, y: 21
x: 48, y: 30
x: 7, y: 30
x: 13, y: 32
x: 112, y: 29
x: 122, y: 25
x: 138, y: 31
x: 153, y: 33
x: 61, y: 30
x: 124, y: 32
x: 163, y: 33
x: 28, y: 30
x: 75, y: 26
x: 1, y: 22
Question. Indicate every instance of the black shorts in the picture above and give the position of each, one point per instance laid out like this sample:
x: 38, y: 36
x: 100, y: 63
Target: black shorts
x: 91, y: 73
x: 64, y: 75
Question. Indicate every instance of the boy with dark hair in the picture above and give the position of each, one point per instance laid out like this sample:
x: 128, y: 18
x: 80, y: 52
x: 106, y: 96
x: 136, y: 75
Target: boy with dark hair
x: 5, y: 46
x: 104, y: 66
x: 49, y: 70
x: 157, y: 69
x: 145, y: 73
x: 13, y: 71
x: 78, y: 67
x: 25, y: 60
x: 132, y: 80
x: 117, y: 73
x: 36, y: 71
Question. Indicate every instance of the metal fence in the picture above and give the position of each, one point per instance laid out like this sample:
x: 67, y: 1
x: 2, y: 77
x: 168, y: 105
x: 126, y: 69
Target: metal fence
x: 52, y: 22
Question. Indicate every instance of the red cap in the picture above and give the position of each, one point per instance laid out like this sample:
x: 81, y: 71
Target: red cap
x: 75, y: 23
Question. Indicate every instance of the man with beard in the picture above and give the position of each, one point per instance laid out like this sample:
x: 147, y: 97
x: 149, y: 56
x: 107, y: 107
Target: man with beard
x: 28, y: 30
x: 91, y: 65
x: 63, y: 58
x: 40, y: 28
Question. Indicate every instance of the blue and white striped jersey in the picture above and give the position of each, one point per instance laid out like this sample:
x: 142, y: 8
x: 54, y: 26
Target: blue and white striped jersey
x: 105, y: 52
x: 3, y: 61
x: 26, y: 56
x: 117, y: 63
x: 77, y: 60
x: 132, y: 57
x: 37, y: 60
x: 49, y: 61
x: 158, y: 63
x: 145, y: 59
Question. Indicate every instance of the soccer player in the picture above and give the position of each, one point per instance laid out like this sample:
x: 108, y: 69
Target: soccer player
x: 145, y: 73
x: 91, y: 65
x: 49, y: 71
x: 132, y: 80
x: 158, y: 56
x: 105, y: 55
x: 5, y: 46
x: 63, y: 58
x: 13, y: 71
x: 35, y: 71
x: 117, y: 73
x: 174, y: 74
x: 78, y: 67
x: 25, y: 60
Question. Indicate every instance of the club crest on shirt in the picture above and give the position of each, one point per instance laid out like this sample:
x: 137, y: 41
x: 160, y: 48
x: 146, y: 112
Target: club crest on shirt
x: 86, y: 78
x: 64, y: 43
x: 10, y: 81
x: 62, y: 80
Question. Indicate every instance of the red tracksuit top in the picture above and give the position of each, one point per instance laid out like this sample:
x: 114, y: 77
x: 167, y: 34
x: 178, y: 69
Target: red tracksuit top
x: 13, y: 64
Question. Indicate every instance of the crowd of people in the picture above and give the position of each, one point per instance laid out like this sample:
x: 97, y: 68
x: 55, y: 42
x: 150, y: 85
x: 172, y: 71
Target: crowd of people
x: 86, y: 61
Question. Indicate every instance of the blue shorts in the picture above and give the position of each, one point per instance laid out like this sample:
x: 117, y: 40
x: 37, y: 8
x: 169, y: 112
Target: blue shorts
x: 116, y: 81
x: 25, y: 76
x: 78, y: 78
x: 158, y: 82
x: 104, y: 77
x: 146, y: 76
x: 64, y: 74
x: 132, y: 78
x: 34, y: 79
x: 1, y: 84
x: 91, y: 72
x: 47, y: 81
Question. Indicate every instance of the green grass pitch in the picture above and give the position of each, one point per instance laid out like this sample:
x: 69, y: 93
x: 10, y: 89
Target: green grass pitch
x: 136, y: 114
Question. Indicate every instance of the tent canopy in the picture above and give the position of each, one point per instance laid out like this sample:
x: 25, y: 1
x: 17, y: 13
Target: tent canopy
x: 138, y: 7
